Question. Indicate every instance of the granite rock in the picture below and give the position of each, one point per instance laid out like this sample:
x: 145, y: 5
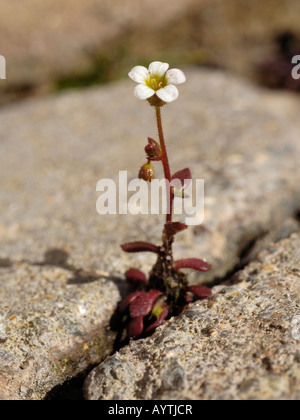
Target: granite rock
x: 52, y: 327
x: 243, y: 343
x: 241, y: 140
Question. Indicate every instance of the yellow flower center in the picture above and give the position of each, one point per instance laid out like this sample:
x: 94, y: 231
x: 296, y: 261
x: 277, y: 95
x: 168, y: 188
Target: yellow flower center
x: 156, y: 81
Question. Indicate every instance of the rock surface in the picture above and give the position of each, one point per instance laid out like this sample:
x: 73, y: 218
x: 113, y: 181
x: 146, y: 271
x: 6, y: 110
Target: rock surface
x: 242, y: 141
x: 52, y: 327
x: 239, y: 344
x: 54, y: 151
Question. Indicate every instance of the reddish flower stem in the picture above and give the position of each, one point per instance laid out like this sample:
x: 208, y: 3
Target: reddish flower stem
x: 165, y: 162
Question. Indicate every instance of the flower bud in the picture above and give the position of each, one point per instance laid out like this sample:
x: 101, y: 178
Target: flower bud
x: 153, y: 150
x: 147, y: 172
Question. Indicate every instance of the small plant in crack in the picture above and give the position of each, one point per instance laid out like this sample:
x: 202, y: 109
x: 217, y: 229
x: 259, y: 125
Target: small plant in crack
x: 165, y: 292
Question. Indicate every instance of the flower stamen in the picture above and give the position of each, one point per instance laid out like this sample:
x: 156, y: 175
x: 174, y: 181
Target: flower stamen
x: 156, y: 82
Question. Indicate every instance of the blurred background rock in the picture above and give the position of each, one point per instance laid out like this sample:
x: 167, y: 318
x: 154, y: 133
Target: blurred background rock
x: 51, y: 45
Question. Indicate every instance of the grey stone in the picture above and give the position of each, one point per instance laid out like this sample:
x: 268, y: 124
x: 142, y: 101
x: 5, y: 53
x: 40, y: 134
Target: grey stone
x: 239, y: 344
x: 53, y: 152
x: 51, y: 329
x: 242, y: 141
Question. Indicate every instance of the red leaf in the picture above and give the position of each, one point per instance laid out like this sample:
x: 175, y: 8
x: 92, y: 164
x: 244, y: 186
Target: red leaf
x: 140, y: 247
x: 135, y: 327
x: 123, y: 306
x: 193, y: 263
x: 159, y: 321
x: 184, y: 176
x: 142, y: 305
x: 172, y: 228
x: 136, y: 277
x: 200, y: 291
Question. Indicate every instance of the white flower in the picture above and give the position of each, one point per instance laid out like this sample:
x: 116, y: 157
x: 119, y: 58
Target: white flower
x: 157, y: 80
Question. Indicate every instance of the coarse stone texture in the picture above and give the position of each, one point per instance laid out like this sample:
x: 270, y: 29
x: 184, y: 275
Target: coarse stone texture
x: 52, y: 327
x: 243, y: 141
x: 243, y: 343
